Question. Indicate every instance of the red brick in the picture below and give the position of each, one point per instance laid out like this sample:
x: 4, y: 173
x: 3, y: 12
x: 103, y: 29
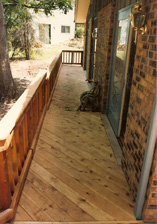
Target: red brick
x: 103, y: 54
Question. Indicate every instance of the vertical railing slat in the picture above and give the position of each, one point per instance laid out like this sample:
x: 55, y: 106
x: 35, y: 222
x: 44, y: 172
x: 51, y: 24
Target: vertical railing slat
x: 10, y: 168
x: 24, y: 138
x: 34, y: 117
x: 72, y: 57
x: 17, y: 140
x: 40, y: 100
x: 26, y: 132
x: 31, y: 122
x: 29, y: 125
x: 15, y: 160
x: 20, y: 129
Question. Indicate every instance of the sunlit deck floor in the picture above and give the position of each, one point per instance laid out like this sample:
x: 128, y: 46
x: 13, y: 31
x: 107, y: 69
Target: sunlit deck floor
x: 74, y: 175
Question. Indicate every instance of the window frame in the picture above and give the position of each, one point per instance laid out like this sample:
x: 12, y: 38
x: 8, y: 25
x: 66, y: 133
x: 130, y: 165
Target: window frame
x: 64, y: 29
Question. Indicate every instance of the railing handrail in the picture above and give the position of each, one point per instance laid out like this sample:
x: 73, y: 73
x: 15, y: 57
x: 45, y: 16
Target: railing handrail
x: 22, y: 123
x: 72, y: 57
x: 9, y: 121
x: 78, y: 50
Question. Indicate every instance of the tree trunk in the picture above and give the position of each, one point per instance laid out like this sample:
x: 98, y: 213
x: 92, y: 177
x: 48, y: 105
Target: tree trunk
x: 26, y: 40
x: 7, y: 86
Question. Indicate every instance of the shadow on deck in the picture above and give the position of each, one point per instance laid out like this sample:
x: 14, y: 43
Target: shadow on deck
x: 74, y: 176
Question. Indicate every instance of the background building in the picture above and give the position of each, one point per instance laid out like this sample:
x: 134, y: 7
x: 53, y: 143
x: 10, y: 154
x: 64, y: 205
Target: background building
x: 54, y: 29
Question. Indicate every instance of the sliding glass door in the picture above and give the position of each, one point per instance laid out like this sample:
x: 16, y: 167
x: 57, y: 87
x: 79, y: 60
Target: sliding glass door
x: 119, y: 70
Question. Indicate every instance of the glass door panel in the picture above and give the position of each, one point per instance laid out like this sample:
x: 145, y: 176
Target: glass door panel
x: 117, y: 81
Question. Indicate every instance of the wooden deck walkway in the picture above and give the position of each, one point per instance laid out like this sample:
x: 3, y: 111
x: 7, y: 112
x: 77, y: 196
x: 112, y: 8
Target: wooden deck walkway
x: 74, y: 176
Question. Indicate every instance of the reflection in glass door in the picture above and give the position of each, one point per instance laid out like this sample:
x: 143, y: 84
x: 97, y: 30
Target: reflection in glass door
x: 119, y: 70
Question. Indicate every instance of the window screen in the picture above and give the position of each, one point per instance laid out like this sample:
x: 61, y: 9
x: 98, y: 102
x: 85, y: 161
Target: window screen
x: 65, y: 29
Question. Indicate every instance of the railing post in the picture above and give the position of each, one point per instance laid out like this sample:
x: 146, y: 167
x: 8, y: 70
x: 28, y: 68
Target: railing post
x: 81, y: 58
x: 5, y: 193
x: 72, y: 58
x: 62, y: 57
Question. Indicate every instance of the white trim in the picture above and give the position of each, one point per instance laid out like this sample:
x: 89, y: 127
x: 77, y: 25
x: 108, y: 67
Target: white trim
x: 147, y: 163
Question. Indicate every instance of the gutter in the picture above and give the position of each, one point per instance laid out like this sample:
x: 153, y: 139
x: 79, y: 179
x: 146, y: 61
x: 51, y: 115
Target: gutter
x: 147, y: 163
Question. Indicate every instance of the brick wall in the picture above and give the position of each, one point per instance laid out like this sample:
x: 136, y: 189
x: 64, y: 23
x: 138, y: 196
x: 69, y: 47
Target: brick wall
x: 124, y: 3
x: 141, y: 99
x: 150, y: 207
x: 103, y: 53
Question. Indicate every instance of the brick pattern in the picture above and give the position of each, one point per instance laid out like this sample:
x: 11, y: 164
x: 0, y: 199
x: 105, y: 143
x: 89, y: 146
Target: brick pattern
x: 141, y: 99
x: 97, y: 5
x: 124, y: 3
x: 103, y: 53
x: 150, y: 207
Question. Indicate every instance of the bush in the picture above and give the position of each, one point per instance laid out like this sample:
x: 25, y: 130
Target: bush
x: 79, y: 32
x: 37, y: 44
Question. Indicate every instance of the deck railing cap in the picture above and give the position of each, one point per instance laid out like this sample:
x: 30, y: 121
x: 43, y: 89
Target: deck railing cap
x: 9, y: 120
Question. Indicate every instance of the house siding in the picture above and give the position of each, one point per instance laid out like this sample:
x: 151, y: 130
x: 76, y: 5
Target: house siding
x: 55, y: 22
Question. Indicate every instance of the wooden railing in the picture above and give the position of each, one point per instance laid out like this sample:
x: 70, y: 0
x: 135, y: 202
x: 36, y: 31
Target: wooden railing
x: 19, y: 131
x: 72, y: 57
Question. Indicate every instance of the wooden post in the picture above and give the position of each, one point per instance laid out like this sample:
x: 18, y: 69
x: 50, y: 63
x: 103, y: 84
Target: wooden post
x: 9, y: 157
x: 81, y: 58
x: 5, y: 193
x: 72, y: 58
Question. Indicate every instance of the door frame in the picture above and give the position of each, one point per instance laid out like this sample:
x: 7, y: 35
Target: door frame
x: 121, y: 14
x: 125, y: 77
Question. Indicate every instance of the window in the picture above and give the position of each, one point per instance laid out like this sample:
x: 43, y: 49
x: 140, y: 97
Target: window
x: 65, y: 29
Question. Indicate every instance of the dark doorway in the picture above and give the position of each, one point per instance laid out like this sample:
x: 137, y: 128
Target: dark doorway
x: 128, y: 87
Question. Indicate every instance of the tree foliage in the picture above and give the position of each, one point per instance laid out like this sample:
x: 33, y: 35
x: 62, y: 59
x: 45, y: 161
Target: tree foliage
x: 46, y: 5
x: 79, y: 32
x: 15, y: 12
x: 20, y: 34
x: 18, y: 21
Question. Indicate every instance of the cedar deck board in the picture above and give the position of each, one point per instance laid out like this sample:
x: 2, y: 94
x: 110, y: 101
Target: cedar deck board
x: 73, y: 190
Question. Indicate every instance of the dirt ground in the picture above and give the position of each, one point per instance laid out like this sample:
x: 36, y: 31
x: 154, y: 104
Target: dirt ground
x: 24, y: 71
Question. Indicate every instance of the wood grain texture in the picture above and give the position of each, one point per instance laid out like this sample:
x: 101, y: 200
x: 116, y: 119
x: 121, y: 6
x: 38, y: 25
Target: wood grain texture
x: 95, y: 222
x: 74, y: 177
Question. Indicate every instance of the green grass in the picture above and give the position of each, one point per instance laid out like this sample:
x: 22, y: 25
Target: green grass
x: 47, y: 51
x: 44, y: 53
x: 38, y: 53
